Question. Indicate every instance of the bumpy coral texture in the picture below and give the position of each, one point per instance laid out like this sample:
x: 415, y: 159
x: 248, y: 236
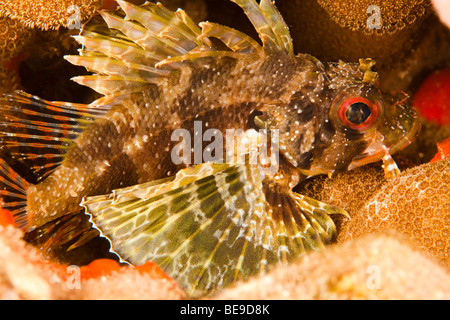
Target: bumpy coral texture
x: 395, y: 15
x: 48, y: 14
x: 381, y: 266
x: 416, y: 204
x: 348, y: 190
x: 25, y: 26
x: 378, y: 266
x: 413, y: 47
x: 13, y: 37
x: 24, y: 274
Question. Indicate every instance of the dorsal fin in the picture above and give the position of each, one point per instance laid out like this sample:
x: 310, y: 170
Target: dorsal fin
x: 138, y: 46
x: 268, y: 22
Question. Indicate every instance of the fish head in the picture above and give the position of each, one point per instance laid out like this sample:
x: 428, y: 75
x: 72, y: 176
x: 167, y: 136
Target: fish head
x: 348, y: 122
x: 394, y: 129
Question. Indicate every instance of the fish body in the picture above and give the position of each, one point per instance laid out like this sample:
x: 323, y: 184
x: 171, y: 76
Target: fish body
x: 132, y: 143
x: 206, y: 223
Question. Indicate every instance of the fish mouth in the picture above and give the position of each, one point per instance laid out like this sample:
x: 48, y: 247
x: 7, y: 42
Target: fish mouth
x: 376, y: 149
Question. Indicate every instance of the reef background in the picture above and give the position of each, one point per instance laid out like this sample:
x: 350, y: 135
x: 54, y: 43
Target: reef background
x: 402, y: 226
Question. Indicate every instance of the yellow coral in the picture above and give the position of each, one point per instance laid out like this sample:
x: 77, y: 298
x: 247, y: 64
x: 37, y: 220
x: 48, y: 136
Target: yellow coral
x: 348, y: 190
x: 13, y: 37
x: 46, y: 14
x: 381, y: 266
x: 394, y: 14
x: 417, y: 204
x: 402, y: 54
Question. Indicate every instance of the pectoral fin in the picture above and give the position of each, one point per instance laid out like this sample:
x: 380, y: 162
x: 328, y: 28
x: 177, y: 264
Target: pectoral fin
x: 211, y: 224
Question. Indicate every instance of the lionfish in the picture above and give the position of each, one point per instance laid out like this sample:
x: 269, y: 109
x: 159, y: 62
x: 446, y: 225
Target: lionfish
x: 207, y: 223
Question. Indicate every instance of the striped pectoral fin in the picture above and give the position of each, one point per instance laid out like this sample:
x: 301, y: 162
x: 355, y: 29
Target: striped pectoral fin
x: 38, y: 133
x: 318, y: 216
x: 13, y: 194
x: 302, y: 224
x: 210, y: 225
x: 196, y: 226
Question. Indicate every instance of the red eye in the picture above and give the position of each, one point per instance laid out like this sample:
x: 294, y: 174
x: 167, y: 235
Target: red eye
x: 358, y: 113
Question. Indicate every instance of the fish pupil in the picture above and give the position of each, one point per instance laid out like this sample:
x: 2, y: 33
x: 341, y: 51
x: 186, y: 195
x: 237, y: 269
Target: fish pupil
x: 358, y: 112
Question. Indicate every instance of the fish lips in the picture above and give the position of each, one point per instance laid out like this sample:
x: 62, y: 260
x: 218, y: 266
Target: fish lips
x: 377, y: 149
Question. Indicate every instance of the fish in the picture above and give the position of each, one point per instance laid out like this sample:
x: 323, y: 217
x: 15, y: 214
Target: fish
x: 172, y: 164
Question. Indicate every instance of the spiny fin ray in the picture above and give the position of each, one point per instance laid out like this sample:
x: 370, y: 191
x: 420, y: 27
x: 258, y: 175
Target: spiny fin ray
x: 150, y: 42
x: 13, y: 194
x: 233, y: 39
x: 269, y: 24
x: 209, y: 225
x: 38, y: 133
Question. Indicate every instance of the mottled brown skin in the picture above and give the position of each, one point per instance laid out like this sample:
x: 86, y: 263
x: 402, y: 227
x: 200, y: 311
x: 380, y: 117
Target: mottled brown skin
x: 222, y: 96
x: 132, y: 143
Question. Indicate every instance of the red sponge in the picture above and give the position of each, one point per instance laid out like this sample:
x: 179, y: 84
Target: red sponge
x: 432, y: 100
x: 6, y: 218
x: 443, y: 150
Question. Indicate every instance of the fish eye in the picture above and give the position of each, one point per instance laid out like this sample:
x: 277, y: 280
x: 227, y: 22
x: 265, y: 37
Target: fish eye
x: 358, y: 113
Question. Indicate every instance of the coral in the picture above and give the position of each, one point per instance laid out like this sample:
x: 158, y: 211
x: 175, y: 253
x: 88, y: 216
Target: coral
x: 25, y: 275
x: 416, y: 204
x: 54, y: 14
x: 348, y: 190
x: 48, y: 14
x: 13, y: 38
x: 395, y: 15
x: 402, y: 55
x: 381, y: 266
x: 18, y: 20
x: 26, y: 26
x: 8, y: 80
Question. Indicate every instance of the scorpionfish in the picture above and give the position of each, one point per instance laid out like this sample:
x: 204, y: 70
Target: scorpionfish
x: 148, y: 165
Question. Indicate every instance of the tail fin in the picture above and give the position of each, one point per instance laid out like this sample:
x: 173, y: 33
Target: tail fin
x: 13, y: 194
x: 63, y: 234
x: 71, y: 230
